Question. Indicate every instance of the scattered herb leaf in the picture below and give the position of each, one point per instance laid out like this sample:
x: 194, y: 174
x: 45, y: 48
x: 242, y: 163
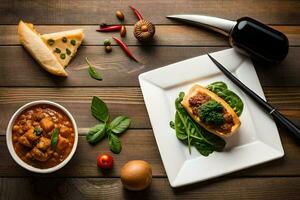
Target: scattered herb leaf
x: 96, y: 133
x: 92, y: 71
x: 54, y: 138
x: 120, y: 124
x: 114, y: 143
x: 99, y: 110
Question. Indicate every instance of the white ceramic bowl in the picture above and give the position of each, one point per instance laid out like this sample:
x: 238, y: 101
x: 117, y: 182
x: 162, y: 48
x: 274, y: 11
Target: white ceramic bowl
x: 10, y: 144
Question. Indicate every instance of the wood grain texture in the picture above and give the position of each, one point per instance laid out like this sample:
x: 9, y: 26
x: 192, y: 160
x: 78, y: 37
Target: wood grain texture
x: 19, y: 69
x: 175, y: 35
x: 140, y: 144
x: 109, y: 188
x: 121, y: 101
x: 97, y: 11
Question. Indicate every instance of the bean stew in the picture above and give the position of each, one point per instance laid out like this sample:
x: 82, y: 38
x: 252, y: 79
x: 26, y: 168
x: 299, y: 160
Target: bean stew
x: 43, y: 136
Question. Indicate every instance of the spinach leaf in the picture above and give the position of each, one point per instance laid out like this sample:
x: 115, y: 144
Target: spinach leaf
x: 229, y: 96
x: 114, y: 143
x: 190, y: 133
x: 54, y: 138
x: 120, y: 124
x: 92, y: 71
x: 99, y: 109
x: 96, y: 133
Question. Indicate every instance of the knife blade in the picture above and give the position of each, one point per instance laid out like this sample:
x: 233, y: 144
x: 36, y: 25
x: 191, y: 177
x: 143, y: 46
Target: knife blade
x: 265, y: 105
x: 220, y: 25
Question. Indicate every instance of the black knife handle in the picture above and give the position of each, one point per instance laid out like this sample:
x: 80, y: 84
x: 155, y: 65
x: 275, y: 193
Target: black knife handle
x: 265, y: 105
x: 286, y: 122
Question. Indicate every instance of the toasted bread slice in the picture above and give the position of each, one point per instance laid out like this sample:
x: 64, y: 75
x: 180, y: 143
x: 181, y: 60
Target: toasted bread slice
x: 32, y: 41
x: 65, y: 42
x: 196, y: 89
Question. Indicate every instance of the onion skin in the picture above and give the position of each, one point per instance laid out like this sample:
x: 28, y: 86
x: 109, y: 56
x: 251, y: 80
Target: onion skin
x: 136, y: 175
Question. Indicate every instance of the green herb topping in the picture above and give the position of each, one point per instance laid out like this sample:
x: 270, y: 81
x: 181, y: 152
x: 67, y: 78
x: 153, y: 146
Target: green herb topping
x: 51, y: 41
x: 64, y: 39
x: 104, y: 129
x: 92, y: 71
x: 211, y: 113
x: 57, y: 50
x: 37, y: 131
x: 73, y: 42
x: 54, y: 138
x: 63, y: 56
x: 68, y: 51
x: 191, y: 134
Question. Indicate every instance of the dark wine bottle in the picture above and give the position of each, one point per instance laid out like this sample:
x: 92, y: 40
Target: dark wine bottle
x: 246, y: 35
x: 259, y: 40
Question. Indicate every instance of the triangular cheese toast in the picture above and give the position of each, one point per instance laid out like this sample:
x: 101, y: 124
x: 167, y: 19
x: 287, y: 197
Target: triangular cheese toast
x: 52, y: 51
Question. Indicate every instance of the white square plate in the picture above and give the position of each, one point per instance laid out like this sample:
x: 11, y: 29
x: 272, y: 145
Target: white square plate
x: 257, y: 142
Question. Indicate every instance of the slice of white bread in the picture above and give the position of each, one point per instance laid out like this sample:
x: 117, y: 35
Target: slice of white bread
x: 46, y: 54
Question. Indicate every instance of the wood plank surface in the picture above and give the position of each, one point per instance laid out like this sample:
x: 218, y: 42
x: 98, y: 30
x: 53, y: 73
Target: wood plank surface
x: 171, y: 35
x: 110, y: 188
x: 19, y: 69
x: 22, y: 80
x: 140, y: 144
x: 97, y: 11
x: 121, y: 101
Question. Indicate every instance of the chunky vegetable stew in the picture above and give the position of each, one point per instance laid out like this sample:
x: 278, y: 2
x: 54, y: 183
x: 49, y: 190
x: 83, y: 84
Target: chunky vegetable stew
x: 43, y: 136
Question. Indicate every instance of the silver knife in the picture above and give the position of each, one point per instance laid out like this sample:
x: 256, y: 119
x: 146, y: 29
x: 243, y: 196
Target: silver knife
x: 247, y: 35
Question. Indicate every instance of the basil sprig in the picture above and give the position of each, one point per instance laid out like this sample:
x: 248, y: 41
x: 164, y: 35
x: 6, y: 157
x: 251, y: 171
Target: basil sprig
x: 104, y: 129
x: 92, y: 71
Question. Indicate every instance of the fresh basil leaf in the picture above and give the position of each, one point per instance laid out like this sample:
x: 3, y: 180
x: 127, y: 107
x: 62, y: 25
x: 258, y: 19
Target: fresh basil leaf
x: 37, y: 131
x: 54, y: 138
x: 120, y: 124
x: 114, y: 143
x: 99, y: 109
x: 96, y: 133
x: 229, y: 96
x: 92, y: 71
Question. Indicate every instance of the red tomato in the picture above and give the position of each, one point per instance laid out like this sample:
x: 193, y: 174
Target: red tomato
x: 105, y: 161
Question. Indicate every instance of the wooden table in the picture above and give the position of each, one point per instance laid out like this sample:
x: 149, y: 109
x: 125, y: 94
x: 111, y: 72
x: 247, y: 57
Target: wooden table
x: 22, y: 80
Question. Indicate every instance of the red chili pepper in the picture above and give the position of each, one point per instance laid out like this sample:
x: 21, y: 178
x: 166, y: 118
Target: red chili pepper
x: 137, y: 13
x: 109, y: 28
x: 125, y: 49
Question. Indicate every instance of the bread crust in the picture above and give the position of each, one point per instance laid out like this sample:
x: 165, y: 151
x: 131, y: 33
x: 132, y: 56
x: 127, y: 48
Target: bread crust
x: 199, y: 89
x: 32, y: 41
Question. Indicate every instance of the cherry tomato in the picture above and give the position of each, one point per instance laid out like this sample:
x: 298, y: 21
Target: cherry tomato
x: 105, y: 161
